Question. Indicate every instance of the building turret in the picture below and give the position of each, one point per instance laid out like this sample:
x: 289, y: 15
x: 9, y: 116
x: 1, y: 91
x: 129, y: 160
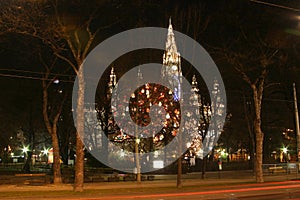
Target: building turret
x: 171, y: 70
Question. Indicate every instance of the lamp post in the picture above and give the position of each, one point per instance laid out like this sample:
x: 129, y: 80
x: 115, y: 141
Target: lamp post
x: 297, y: 121
x: 25, y: 149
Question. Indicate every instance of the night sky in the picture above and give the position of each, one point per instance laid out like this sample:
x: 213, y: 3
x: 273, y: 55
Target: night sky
x: 214, y: 24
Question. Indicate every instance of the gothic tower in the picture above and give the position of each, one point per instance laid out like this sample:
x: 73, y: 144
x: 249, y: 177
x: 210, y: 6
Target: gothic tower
x: 171, y: 70
x: 112, y: 82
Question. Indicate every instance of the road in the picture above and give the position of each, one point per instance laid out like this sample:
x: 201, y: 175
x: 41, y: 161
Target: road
x: 227, y: 185
x: 274, y: 191
x: 244, y: 191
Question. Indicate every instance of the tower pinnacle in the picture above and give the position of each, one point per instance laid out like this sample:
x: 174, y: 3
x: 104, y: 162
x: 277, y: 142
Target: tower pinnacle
x: 171, y: 44
x: 171, y: 70
x: 112, y: 81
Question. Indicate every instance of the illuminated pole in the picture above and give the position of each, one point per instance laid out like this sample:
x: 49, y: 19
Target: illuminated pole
x: 297, y: 121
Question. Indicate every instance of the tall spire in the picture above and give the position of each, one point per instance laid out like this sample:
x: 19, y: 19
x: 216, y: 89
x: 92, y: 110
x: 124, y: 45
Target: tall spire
x: 171, y: 56
x: 194, y: 84
x: 140, y: 75
x: 171, y: 70
x: 171, y: 44
x: 112, y: 81
x: 195, y: 97
x: 113, y: 77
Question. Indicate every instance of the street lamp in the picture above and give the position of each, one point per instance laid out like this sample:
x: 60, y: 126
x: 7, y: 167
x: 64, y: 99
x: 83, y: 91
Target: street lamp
x: 45, y: 151
x: 285, y: 155
x: 284, y: 150
x: 25, y: 149
x: 297, y: 121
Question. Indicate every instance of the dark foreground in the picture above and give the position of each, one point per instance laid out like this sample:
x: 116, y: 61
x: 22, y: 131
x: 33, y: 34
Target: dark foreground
x: 231, y: 186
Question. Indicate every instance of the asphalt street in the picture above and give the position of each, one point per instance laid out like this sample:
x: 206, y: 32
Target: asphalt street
x: 227, y: 185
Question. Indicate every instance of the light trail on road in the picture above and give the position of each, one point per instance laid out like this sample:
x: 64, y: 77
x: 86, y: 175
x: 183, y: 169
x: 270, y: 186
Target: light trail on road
x: 212, y: 192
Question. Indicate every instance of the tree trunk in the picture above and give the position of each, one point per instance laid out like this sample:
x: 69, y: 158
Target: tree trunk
x: 137, y: 157
x: 252, y: 152
x: 179, y: 172
x: 104, y: 146
x: 248, y: 117
x: 203, y: 167
x: 79, y: 164
x: 259, y: 155
x: 56, y: 159
x: 179, y: 161
x: 26, y: 167
x: 31, y: 141
x: 137, y: 162
x: 259, y: 136
x: 52, y: 130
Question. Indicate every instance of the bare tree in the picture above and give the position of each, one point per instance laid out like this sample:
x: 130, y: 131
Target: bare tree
x: 51, y: 114
x: 69, y: 40
x: 16, y: 18
x: 79, y: 46
x: 253, y: 67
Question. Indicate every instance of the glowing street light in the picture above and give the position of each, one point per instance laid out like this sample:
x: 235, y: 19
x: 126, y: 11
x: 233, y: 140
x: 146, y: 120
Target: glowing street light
x: 284, y: 149
x: 25, y: 149
x: 56, y: 81
x: 45, y: 151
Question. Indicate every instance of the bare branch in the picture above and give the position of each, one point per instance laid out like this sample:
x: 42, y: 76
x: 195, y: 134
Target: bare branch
x: 68, y: 61
x: 88, y: 45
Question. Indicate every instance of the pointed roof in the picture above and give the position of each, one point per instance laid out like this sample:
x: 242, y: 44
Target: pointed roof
x: 140, y: 75
x: 113, y: 78
x: 171, y: 44
x: 194, y: 83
